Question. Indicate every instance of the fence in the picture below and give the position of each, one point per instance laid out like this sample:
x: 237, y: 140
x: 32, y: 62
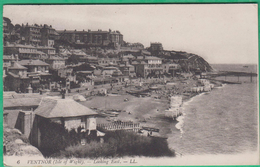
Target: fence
x: 129, y: 126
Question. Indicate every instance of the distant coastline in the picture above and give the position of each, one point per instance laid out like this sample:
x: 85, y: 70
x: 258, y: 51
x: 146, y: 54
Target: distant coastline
x: 247, y: 68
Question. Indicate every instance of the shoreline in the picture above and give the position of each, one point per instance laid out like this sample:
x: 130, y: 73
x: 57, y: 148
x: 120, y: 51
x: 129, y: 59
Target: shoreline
x: 144, y: 109
x: 148, y: 111
x: 179, y: 125
x: 202, y: 113
x: 180, y: 119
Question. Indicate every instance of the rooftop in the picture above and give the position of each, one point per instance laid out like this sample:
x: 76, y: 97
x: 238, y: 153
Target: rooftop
x: 8, y: 57
x: 75, y: 31
x: 21, y: 102
x: 103, y: 32
x: 110, y: 68
x: 108, y: 58
x: 128, y: 56
x: 17, y: 66
x: 33, y: 25
x: 89, y: 58
x: 45, y: 47
x: 140, y: 57
x: 135, y: 62
x: 13, y: 75
x: 41, y: 53
x: 39, y: 73
x: 117, y: 73
x: 126, y: 65
x: 70, y: 31
x: 145, y: 52
x: 78, y: 52
x: 143, y: 62
x: 19, y: 46
x: 173, y: 64
x: 65, y: 52
x: 152, y: 58
x: 33, y: 63
x: 56, y: 58
x: 57, y: 107
x: 9, y: 94
x: 85, y: 72
x: 156, y: 43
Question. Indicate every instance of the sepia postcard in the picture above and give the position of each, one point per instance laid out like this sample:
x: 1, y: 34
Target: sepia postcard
x: 130, y: 85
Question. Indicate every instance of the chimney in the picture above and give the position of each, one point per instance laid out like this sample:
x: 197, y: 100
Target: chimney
x: 12, y: 63
x: 29, y: 89
x: 16, y: 57
x: 28, y: 122
x: 63, y: 91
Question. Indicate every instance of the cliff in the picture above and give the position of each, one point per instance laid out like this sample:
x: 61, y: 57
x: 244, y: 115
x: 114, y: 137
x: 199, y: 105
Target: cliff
x: 188, y: 61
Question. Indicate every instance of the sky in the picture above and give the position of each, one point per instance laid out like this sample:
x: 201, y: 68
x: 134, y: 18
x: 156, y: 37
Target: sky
x: 220, y: 33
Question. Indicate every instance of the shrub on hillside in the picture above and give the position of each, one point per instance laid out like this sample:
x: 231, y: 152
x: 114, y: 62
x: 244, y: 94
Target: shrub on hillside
x: 120, y: 143
x: 55, y: 137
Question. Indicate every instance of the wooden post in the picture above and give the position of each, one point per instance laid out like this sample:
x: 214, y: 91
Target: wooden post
x: 251, y: 77
x: 105, y: 103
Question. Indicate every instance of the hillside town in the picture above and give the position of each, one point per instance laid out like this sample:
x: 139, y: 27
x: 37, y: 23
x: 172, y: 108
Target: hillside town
x: 91, y: 81
x: 38, y: 57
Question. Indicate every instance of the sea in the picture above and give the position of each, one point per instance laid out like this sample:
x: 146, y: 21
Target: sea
x: 223, y: 121
x: 236, y: 67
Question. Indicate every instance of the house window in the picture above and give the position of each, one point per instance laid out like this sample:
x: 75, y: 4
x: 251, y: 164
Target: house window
x: 82, y: 119
x: 83, y: 124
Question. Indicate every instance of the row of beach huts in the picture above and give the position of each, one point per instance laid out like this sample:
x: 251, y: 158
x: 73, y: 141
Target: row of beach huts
x: 176, y: 102
x: 206, y: 86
